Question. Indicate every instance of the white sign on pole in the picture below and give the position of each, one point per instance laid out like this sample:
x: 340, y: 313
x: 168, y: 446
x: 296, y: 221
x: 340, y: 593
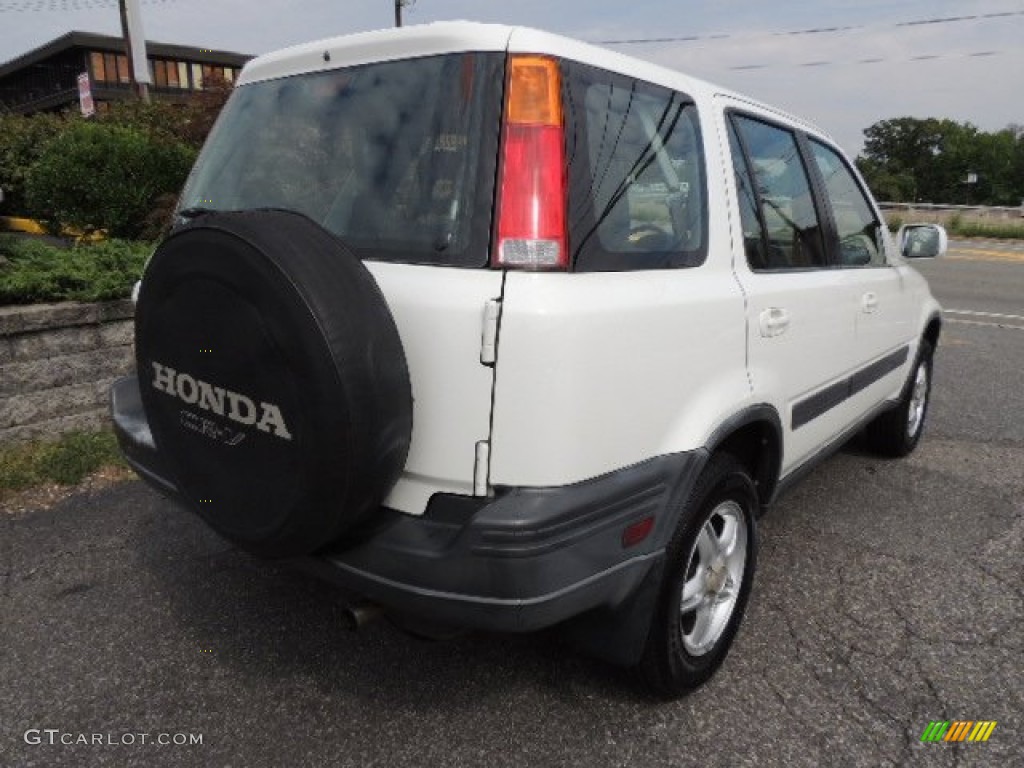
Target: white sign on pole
x: 972, y: 178
x: 85, y: 101
x: 139, y: 64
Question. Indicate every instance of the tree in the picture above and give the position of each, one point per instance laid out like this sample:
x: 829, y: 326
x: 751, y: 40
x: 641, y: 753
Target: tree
x: 914, y: 159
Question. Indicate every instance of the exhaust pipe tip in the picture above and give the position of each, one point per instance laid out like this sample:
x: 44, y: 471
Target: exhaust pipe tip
x: 359, y: 615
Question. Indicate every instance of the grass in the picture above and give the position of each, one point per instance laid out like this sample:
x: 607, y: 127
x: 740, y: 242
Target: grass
x: 66, y: 461
x: 958, y: 225
x: 998, y: 231
x: 33, y: 271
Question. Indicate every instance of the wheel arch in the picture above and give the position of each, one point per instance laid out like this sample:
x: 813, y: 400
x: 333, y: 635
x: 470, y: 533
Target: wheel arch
x: 754, y: 437
x: 932, y: 330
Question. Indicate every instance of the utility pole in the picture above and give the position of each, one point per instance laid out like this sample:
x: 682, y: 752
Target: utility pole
x: 399, y: 5
x: 135, y: 47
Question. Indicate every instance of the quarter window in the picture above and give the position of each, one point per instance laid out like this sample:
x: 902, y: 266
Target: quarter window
x: 636, y: 198
x: 858, y: 229
x: 792, y: 237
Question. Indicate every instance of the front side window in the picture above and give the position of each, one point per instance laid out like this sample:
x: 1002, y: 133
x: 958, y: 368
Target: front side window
x: 395, y: 158
x: 858, y: 229
x: 636, y: 174
x: 792, y: 229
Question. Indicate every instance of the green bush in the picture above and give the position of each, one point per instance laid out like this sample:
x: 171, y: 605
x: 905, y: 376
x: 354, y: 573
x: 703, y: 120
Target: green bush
x: 22, y: 140
x: 99, y: 175
x: 32, y: 271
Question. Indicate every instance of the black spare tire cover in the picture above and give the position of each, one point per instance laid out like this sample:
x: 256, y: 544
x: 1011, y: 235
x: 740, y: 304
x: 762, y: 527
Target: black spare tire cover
x: 273, y: 379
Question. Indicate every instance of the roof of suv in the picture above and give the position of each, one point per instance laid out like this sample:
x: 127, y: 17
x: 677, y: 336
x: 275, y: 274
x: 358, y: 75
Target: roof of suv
x: 456, y: 36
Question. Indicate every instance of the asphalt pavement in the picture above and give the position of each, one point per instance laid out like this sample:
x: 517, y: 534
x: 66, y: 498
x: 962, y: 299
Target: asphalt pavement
x: 889, y: 594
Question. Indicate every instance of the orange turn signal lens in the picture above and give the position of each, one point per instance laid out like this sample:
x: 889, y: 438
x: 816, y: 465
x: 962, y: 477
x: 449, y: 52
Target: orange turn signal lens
x: 534, y: 95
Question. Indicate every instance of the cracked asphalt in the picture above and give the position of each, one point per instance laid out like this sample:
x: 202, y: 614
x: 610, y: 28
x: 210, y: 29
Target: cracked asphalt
x: 889, y: 594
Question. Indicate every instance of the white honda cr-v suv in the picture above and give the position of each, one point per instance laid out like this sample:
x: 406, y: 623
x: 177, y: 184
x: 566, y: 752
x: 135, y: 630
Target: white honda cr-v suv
x: 502, y: 330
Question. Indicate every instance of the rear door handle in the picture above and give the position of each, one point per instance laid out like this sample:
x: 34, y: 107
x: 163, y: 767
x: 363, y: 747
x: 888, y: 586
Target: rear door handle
x: 773, y: 321
x: 868, y: 302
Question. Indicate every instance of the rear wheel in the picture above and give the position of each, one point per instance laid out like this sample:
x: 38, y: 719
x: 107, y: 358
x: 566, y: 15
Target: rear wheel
x: 897, y: 432
x: 709, y: 571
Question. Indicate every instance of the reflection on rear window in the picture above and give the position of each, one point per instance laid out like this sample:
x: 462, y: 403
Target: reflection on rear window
x: 396, y: 158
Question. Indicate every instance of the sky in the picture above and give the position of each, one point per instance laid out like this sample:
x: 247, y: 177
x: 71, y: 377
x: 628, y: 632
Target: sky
x: 875, y: 66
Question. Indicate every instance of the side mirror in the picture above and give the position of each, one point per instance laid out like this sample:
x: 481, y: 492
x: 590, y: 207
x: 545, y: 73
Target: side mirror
x: 922, y: 241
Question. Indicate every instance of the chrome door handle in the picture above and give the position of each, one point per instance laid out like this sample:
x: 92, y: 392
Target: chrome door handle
x: 868, y: 303
x: 773, y: 321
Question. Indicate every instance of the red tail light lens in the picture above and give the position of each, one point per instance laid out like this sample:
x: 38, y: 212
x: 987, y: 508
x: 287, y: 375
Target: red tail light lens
x: 531, y: 192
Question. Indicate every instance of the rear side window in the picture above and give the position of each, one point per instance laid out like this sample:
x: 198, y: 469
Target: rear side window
x: 637, y: 197
x: 791, y: 229
x: 396, y: 158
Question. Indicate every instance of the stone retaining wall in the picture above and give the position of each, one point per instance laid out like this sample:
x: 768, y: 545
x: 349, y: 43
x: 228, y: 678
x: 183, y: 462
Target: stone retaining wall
x: 57, y: 362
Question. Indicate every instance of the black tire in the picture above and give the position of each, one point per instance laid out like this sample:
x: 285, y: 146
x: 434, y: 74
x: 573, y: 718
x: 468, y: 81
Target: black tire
x: 273, y: 379
x: 894, y: 433
x: 678, y: 657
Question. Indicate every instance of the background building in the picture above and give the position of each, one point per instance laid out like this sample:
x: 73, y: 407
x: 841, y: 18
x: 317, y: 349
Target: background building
x: 46, y: 79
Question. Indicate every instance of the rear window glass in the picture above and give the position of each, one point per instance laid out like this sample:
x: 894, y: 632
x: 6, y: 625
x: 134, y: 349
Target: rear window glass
x: 637, y: 196
x: 396, y: 158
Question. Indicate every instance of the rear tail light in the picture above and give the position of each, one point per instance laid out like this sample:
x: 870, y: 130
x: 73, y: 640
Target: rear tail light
x: 531, y: 189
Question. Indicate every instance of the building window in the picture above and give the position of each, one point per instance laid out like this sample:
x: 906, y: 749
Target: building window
x: 123, y: 75
x: 197, y: 77
x: 182, y: 74
x: 99, y: 71
x: 172, y: 74
x: 160, y: 74
x: 110, y: 68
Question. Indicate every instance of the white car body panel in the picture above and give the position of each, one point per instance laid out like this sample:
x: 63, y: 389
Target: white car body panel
x: 439, y: 314
x: 599, y: 371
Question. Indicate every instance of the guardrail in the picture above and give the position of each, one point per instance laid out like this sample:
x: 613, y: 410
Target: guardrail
x: 981, y: 211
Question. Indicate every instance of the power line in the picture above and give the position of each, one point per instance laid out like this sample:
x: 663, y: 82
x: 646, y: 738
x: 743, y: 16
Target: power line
x: 815, y: 30
x: 828, y: 63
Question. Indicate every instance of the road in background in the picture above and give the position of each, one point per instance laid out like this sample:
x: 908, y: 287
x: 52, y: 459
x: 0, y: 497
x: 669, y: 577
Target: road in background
x: 980, y: 276
x: 889, y: 594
